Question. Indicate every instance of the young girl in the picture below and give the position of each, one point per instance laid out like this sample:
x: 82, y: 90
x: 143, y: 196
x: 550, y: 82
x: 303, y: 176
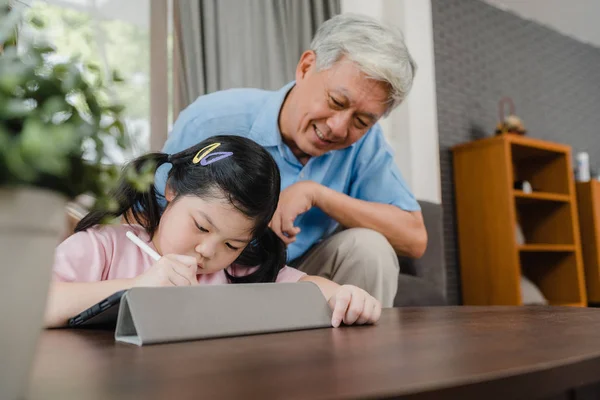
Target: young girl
x: 220, y: 198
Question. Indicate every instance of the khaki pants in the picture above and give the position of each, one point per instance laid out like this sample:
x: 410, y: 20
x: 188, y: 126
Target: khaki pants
x: 356, y: 256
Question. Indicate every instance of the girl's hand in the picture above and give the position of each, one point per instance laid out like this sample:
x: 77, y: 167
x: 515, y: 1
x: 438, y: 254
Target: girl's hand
x: 353, y: 305
x: 170, y: 270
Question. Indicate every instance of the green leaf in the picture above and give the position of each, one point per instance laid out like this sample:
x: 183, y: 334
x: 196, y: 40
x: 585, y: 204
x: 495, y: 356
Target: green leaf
x: 10, y: 79
x: 116, y: 108
x: 99, y: 147
x: 44, y: 48
x: 119, y: 126
x: 93, y: 67
x: 123, y: 141
x: 47, y: 147
x: 112, y: 205
x: 141, y: 182
x: 20, y: 170
x: 72, y: 79
x: 37, y: 22
x: 17, y: 108
x: 60, y: 70
x: 116, y: 77
x: 148, y: 167
x: 9, y: 22
x: 94, y: 75
x: 4, y: 138
x: 55, y: 104
x: 93, y: 105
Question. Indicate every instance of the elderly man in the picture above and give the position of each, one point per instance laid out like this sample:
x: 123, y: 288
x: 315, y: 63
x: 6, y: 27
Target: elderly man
x: 337, y: 169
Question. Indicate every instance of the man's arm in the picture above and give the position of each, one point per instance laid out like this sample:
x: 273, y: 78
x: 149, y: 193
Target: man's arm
x: 403, y: 229
x: 377, y: 198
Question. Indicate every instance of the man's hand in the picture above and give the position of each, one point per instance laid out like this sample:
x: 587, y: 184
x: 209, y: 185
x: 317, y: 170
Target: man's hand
x: 293, y: 201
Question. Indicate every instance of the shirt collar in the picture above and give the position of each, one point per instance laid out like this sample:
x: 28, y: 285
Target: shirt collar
x: 265, y: 129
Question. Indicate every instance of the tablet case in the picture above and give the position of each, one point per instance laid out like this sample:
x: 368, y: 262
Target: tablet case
x: 100, y: 315
x: 170, y: 314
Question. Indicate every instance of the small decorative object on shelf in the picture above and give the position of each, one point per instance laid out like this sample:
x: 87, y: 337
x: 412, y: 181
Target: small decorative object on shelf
x: 531, y: 294
x: 582, y: 171
x: 525, y: 186
x: 510, y: 123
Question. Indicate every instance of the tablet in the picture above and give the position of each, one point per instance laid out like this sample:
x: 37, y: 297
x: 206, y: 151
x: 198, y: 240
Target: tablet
x: 151, y: 315
x: 102, y: 314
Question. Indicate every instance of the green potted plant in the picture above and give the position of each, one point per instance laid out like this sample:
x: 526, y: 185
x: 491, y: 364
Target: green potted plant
x: 52, y: 117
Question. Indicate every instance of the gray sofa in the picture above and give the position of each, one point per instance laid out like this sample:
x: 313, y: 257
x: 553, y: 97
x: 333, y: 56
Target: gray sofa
x: 422, y: 282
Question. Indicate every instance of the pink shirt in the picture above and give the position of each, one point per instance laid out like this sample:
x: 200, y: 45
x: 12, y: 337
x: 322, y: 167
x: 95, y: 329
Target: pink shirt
x: 104, y: 252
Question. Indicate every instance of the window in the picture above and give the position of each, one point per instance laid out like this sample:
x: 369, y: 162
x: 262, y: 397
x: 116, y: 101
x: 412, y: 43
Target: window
x: 114, y: 35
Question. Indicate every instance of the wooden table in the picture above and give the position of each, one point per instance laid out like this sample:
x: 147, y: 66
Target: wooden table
x: 428, y: 353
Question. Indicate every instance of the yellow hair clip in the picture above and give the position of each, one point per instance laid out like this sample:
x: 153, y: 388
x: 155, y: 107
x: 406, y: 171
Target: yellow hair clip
x: 204, y: 154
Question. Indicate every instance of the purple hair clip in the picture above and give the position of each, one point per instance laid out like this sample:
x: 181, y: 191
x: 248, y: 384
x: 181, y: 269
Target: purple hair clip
x: 206, y: 156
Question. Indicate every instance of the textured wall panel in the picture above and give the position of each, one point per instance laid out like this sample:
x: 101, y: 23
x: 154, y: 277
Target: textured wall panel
x: 483, y: 54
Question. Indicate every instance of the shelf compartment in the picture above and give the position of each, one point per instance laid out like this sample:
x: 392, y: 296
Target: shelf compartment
x: 546, y: 222
x: 545, y: 169
x: 555, y: 274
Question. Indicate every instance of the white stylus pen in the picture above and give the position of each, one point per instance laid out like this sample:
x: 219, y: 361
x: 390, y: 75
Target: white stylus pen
x: 145, y: 248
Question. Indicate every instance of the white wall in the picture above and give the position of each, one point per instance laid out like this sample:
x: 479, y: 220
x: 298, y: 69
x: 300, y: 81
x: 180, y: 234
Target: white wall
x: 575, y: 18
x: 412, y: 128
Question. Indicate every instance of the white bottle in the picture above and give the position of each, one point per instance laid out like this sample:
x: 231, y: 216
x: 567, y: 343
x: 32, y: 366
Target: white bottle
x: 582, y: 173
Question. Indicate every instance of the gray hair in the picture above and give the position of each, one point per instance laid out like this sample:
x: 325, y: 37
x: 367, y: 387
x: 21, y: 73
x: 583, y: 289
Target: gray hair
x: 378, y: 50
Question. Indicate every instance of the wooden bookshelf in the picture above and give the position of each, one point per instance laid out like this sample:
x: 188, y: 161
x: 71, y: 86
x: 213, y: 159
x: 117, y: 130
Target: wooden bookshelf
x: 588, y: 204
x: 488, y: 211
x: 560, y: 248
x: 523, y: 197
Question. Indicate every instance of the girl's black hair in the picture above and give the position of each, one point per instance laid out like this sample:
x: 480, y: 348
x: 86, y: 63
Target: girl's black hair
x: 249, y: 179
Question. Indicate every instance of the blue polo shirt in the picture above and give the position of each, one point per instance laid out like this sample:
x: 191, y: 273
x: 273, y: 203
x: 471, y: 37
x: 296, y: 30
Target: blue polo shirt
x: 366, y: 170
